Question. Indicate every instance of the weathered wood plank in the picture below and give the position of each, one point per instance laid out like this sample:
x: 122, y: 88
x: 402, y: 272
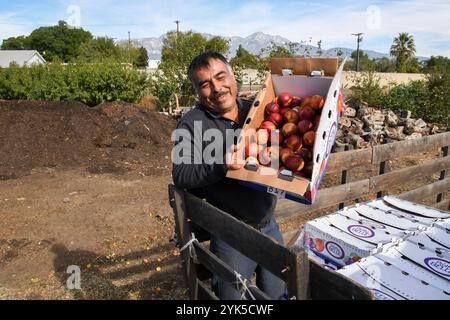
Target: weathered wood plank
x: 298, y: 278
x: 325, y: 198
x: 349, y: 159
x: 410, y: 147
x: 426, y: 191
x: 182, y: 228
x: 398, y: 177
x: 326, y: 284
x: 255, y: 245
x: 443, y: 205
x: 218, y: 267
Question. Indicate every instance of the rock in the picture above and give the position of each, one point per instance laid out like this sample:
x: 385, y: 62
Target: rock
x: 345, y: 122
x: 409, y: 126
x: 434, y: 129
x: 66, y: 200
x: 391, y: 133
x: 391, y: 119
x: 420, y: 123
x: 413, y: 136
x: 350, y: 112
x: 405, y: 114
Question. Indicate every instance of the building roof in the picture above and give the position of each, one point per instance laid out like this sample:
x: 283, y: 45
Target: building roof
x: 21, y: 57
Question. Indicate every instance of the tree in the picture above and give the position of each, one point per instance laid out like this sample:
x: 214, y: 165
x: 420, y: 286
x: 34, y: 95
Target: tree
x: 142, y: 59
x: 439, y: 64
x: 59, y: 42
x: 18, y: 43
x: 384, y: 65
x: 365, y: 64
x: 403, y: 49
x: 99, y: 49
x: 244, y: 59
x: 179, y: 49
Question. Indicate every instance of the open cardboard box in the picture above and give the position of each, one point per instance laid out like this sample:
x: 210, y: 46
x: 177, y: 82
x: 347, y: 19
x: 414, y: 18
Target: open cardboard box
x: 300, y: 83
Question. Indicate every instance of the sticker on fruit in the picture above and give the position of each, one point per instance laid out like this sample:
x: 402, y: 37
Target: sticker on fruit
x: 293, y: 123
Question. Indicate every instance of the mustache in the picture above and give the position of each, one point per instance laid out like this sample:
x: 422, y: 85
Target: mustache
x: 218, y: 95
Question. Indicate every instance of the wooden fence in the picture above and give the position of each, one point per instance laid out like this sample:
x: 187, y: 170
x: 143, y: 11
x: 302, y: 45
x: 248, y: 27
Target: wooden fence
x: 305, y: 279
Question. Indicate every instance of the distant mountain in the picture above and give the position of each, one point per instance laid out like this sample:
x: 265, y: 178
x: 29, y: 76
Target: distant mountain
x: 254, y: 43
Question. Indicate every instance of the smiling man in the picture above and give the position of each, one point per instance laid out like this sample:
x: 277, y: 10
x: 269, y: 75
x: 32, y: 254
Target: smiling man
x: 220, y: 109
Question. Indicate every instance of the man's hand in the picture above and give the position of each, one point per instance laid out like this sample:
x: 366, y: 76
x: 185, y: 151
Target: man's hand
x: 232, y: 158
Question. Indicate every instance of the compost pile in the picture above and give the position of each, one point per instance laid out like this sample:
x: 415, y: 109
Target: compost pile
x: 116, y: 137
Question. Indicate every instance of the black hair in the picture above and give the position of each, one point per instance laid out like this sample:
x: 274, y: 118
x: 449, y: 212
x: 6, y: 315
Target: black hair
x: 202, y: 61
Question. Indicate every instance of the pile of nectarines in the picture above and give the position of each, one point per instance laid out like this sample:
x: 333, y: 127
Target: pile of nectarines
x: 292, y: 121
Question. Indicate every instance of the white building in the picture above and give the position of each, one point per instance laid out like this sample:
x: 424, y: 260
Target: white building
x: 21, y: 57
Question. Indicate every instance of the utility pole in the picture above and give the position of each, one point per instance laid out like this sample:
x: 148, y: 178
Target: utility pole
x: 178, y: 26
x: 129, y: 48
x: 359, y: 35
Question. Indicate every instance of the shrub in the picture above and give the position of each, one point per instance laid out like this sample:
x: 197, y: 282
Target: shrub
x: 91, y: 84
x: 367, y: 89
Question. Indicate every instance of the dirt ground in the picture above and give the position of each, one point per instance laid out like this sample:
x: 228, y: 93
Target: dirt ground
x: 87, y: 187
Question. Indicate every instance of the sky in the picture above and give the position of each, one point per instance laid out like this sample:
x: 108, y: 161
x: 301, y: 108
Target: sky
x: 332, y: 22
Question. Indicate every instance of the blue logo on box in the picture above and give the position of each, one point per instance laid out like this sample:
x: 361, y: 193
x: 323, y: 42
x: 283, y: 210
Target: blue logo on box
x: 335, y: 250
x: 440, y: 266
x: 361, y: 231
x: 381, y: 295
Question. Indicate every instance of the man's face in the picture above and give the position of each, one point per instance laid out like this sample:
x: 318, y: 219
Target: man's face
x: 216, y: 86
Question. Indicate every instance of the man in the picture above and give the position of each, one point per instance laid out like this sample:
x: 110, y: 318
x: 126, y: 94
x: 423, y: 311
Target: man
x: 220, y: 109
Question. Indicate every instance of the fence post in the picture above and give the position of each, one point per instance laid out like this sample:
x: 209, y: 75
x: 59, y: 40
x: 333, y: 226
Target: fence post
x: 381, y: 171
x: 344, y: 179
x: 444, y: 150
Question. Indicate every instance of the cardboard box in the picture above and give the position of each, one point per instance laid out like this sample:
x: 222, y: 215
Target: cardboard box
x: 391, y: 222
x: 356, y: 232
x: 380, y: 292
x: 333, y: 245
x: 384, y: 206
x: 392, y: 282
x: 300, y: 83
x: 416, y: 209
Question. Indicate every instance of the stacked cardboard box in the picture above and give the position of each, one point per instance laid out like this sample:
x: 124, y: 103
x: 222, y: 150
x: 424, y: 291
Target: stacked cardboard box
x: 398, y: 249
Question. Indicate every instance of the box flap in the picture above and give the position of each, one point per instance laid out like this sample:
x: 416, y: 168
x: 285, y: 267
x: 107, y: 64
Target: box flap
x: 355, y: 273
x: 388, y: 218
x: 439, y: 264
x: 326, y: 132
x: 399, y: 281
x: 359, y: 230
x: 376, y: 221
x: 380, y: 204
x: 393, y: 257
x: 415, y: 208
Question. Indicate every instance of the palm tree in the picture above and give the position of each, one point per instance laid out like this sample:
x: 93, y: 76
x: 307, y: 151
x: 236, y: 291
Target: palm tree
x: 403, y: 49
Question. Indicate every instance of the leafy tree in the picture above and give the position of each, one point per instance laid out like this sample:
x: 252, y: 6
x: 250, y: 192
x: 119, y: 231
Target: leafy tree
x: 384, y: 65
x: 365, y: 64
x: 16, y: 43
x: 244, y: 59
x: 142, y: 59
x: 436, y: 64
x: 99, y: 49
x: 403, y: 49
x: 61, y: 41
x: 179, y: 49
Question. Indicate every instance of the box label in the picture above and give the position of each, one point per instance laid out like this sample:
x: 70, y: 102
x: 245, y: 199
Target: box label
x: 361, y: 231
x: 440, y: 266
x: 279, y: 193
x: 335, y: 250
